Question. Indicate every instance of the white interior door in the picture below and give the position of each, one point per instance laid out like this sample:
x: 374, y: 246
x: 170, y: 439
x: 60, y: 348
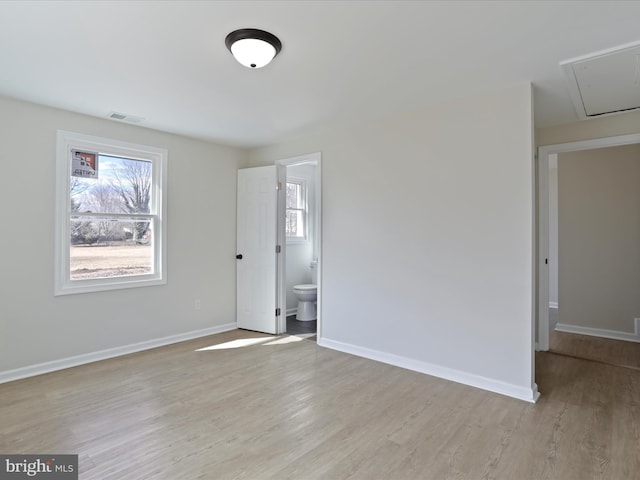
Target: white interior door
x: 257, y: 260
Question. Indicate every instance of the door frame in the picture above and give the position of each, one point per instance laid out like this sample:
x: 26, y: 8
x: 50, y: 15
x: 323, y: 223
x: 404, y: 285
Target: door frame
x: 281, y: 281
x: 544, y: 152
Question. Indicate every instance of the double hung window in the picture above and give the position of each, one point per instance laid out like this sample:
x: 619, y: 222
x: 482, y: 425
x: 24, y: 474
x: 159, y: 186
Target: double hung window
x: 110, y: 227
x: 296, y: 213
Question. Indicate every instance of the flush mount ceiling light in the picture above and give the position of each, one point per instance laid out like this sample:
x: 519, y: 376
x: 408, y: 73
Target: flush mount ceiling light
x: 253, y: 48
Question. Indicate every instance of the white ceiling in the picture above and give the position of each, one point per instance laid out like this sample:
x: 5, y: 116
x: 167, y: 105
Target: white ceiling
x: 342, y: 61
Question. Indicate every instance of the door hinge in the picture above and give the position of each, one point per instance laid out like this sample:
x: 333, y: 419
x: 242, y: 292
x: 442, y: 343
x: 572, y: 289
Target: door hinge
x: 278, y: 248
x: 278, y: 186
x: 277, y: 312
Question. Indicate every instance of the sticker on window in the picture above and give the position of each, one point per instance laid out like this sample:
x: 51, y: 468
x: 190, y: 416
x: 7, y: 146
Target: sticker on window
x: 84, y: 164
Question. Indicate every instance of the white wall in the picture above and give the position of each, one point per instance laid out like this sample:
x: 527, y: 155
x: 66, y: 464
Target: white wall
x: 35, y: 326
x: 599, y: 238
x: 299, y: 255
x: 599, y: 127
x: 427, y: 239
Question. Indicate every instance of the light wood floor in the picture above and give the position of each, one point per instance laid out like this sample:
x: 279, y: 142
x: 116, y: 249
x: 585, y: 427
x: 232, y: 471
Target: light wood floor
x: 614, y: 352
x: 288, y: 409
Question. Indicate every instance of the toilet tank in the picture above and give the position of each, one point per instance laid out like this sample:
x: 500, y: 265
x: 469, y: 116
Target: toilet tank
x: 314, y: 272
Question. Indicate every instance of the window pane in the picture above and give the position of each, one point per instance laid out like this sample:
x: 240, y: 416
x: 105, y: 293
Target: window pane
x: 294, y: 226
x: 294, y: 195
x: 107, y: 247
x: 122, y: 185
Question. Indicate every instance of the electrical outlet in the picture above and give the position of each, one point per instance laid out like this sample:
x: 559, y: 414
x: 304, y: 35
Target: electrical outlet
x: 196, y: 304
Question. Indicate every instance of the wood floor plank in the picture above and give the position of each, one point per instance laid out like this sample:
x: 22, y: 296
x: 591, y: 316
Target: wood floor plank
x: 243, y: 405
x: 614, y: 352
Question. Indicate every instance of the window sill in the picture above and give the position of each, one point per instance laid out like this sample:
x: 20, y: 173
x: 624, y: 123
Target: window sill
x: 107, y: 284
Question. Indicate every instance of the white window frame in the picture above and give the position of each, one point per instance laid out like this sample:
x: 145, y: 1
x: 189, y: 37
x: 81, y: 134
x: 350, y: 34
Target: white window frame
x: 66, y: 141
x: 305, y: 210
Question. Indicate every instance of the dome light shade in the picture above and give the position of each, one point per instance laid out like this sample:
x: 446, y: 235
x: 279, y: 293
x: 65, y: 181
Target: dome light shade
x: 253, y: 48
x: 253, y: 53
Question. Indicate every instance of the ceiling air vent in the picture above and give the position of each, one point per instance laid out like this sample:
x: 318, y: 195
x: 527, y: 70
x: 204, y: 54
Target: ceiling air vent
x: 605, y: 82
x: 125, y: 118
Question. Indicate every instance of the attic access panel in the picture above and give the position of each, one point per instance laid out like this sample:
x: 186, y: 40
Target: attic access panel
x: 605, y: 82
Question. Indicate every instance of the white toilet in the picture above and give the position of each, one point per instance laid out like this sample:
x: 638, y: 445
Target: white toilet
x: 307, y: 294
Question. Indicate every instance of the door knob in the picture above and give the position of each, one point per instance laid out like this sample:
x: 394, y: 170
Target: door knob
x: 239, y: 256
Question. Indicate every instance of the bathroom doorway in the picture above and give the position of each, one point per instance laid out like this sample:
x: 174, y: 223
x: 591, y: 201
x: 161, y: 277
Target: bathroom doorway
x: 300, y: 238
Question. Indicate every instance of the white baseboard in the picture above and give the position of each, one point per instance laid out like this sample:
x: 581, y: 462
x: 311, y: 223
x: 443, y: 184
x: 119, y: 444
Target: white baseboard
x: 598, y: 332
x: 553, y: 304
x: 492, y: 385
x: 61, y: 364
x: 292, y: 311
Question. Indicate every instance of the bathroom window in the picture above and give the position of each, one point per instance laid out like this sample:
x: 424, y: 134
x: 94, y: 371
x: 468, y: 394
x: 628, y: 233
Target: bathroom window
x: 296, y: 220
